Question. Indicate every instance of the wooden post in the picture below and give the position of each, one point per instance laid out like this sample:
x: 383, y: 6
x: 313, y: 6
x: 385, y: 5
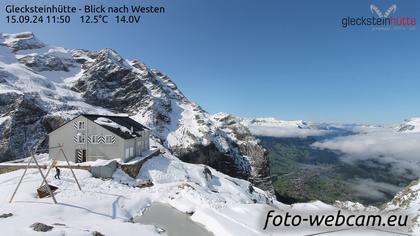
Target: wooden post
x: 48, y: 171
x: 71, y: 169
x: 20, y: 181
x: 43, y: 177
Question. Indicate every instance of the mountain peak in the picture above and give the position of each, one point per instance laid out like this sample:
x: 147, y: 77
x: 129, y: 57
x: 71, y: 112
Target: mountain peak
x: 222, y: 116
x: 110, y: 54
x: 22, y: 41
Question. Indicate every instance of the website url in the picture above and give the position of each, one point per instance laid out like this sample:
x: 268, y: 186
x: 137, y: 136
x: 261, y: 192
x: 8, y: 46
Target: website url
x: 334, y: 220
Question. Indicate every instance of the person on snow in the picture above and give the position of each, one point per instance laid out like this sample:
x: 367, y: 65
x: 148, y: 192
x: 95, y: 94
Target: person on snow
x: 57, y: 173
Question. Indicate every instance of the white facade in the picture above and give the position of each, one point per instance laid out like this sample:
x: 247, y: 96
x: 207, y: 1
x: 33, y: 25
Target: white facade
x: 85, y: 140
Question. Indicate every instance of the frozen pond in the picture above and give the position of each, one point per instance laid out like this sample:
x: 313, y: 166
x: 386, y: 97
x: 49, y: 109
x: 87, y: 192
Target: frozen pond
x: 174, y: 222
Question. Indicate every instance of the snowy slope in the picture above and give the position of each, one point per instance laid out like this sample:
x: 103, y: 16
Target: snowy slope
x: 17, y: 78
x: 108, y: 206
x: 223, y: 205
x: 43, y: 86
x: 408, y: 202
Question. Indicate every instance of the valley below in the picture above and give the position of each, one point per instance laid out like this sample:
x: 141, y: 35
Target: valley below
x: 302, y: 173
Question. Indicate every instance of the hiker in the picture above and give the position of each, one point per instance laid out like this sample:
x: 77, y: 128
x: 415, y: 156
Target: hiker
x: 57, y: 173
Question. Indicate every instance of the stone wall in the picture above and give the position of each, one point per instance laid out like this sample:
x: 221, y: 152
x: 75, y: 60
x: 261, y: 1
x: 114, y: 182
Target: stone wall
x: 9, y: 168
x: 132, y: 169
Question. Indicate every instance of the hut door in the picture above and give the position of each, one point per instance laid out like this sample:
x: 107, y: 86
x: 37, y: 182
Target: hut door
x: 80, y: 155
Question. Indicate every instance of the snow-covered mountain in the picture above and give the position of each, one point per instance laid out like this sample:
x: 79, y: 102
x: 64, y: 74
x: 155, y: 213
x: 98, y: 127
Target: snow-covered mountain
x: 282, y: 128
x: 43, y: 86
x: 408, y: 202
x: 410, y: 125
x: 296, y: 128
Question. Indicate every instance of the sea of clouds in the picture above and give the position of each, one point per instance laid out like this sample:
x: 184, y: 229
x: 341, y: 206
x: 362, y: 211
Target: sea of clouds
x: 398, y: 153
x: 379, y: 147
x: 384, y: 145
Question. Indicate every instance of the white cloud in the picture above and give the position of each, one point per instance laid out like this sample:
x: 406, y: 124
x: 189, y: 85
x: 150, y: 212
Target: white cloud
x: 367, y: 188
x: 385, y: 145
x: 285, y: 132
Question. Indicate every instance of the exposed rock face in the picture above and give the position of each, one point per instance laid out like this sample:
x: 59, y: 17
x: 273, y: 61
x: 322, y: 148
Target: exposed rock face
x: 96, y: 233
x: 24, y: 122
x: 410, y: 125
x: 407, y: 197
x: 47, y: 62
x: 249, y: 147
x: 212, y: 156
x: 52, y: 122
x: 40, y: 227
x: 406, y: 128
x: 104, y: 82
x: 109, y: 82
x: 22, y: 127
x: 6, y: 215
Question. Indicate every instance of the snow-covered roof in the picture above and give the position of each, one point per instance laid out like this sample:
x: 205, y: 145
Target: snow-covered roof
x: 123, y: 126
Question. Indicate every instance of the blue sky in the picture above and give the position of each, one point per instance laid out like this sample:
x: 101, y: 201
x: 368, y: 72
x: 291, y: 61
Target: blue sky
x: 284, y: 59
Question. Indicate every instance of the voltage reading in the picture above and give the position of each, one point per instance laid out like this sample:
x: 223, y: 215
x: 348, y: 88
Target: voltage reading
x: 128, y: 19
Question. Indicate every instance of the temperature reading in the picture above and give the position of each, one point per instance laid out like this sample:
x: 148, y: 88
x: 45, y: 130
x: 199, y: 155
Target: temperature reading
x: 94, y: 19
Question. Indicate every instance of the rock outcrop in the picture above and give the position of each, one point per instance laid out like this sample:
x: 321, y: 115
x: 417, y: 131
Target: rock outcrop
x: 22, y: 126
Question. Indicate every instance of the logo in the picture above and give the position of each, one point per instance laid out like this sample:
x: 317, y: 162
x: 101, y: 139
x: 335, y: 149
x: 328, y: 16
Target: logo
x: 381, y: 20
x: 391, y: 10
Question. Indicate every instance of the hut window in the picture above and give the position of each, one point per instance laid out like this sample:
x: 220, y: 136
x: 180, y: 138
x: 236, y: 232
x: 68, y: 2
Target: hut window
x: 127, y: 153
x: 80, y: 138
x: 81, y: 125
x: 131, y: 151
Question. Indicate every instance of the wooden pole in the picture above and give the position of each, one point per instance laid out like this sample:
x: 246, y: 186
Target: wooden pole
x: 43, y: 177
x: 53, y: 163
x: 20, y: 181
x: 48, y: 171
x: 71, y: 169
